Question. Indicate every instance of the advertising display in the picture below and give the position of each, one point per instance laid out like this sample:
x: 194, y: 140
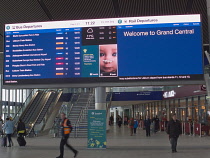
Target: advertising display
x: 96, y: 129
x: 104, y: 50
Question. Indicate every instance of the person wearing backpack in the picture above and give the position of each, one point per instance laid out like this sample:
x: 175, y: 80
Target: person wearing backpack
x: 136, y: 123
x: 131, y: 125
x: 147, y: 123
x: 21, y: 129
x: 66, y: 130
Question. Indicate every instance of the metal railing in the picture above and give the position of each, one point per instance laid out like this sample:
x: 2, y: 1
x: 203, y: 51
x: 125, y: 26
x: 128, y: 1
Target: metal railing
x: 62, y: 109
x: 72, y: 103
x: 82, y: 115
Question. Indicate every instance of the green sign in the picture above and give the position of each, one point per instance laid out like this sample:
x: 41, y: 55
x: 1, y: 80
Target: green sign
x: 96, y: 129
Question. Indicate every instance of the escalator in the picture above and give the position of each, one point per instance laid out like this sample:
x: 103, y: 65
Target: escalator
x: 26, y: 105
x: 28, y: 112
x: 45, y: 108
x: 39, y: 115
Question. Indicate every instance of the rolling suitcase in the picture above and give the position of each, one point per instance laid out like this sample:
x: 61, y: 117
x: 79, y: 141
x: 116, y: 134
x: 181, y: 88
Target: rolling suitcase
x: 21, y: 141
x: 4, y: 141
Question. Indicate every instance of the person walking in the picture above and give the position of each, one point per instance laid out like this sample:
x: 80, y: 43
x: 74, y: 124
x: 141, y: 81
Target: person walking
x: 157, y: 123
x: 136, y: 123
x: 21, y: 129
x: 9, y: 129
x: 66, y: 130
x: 131, y: 125
x: 119, y: 121
x: 153, y: 126
x: 125, y: 120
x: 111, y: 120
x: 174, y: 129
x: 147, y: 123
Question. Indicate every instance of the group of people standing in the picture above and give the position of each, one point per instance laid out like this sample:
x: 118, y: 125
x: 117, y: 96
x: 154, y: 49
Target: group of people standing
x: 154, y: 123
x: 134, y: 124
x: 174, y: 129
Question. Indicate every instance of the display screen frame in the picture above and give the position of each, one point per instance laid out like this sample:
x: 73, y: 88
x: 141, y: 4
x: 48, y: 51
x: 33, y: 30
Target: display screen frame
x: 105, y: 81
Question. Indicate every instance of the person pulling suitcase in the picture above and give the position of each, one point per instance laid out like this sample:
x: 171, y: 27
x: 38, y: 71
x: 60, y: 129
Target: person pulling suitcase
x: 8, y: 127
x: 21, y: 131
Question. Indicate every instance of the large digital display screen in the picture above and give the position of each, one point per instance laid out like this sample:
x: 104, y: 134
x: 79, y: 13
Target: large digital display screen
x: 104, y: 50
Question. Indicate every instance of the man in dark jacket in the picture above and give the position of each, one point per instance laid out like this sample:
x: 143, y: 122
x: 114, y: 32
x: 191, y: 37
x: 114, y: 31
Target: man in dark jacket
x: 174, y: 129
x: 21, y: 129
x: 147, y: 123
x: 157, y: 126
x: 66, y: 130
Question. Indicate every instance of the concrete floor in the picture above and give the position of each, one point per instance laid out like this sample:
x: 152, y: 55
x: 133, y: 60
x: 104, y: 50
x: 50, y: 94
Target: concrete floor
x: 120, y: 145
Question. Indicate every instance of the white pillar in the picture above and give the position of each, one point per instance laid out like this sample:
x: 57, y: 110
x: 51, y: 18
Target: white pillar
x: 115, y: 114
x: 100, y: 102
x: 100, y: 98
x: 207, y: 79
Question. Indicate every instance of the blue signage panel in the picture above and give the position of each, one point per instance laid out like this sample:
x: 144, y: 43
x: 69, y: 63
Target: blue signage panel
x: 96, y: 129
x: 132, y: 96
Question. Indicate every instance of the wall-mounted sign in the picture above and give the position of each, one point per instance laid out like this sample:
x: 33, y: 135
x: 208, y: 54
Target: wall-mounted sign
x: 203, y: 87
x: 169, y: 94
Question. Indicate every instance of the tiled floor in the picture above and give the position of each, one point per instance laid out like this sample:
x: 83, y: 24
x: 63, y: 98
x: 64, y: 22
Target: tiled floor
x: 120, y: 145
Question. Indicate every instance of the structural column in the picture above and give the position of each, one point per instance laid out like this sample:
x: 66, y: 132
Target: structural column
x: 1, y: 95
x: 207, y: 79
x: 100, y: 98
x: 100, y: 102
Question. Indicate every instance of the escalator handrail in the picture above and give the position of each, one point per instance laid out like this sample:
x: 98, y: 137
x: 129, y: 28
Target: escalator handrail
x: 19, y: 110
x: 56, y: 101
x: 49, y: 104
x: 46, y: 99
x: 45, y: 104
x: 38, y: 102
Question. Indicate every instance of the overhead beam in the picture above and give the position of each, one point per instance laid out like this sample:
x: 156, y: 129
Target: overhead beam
x: 189, y: 6
x: 116, y: 8
x: 45, y: 9
x: 2, y: 27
